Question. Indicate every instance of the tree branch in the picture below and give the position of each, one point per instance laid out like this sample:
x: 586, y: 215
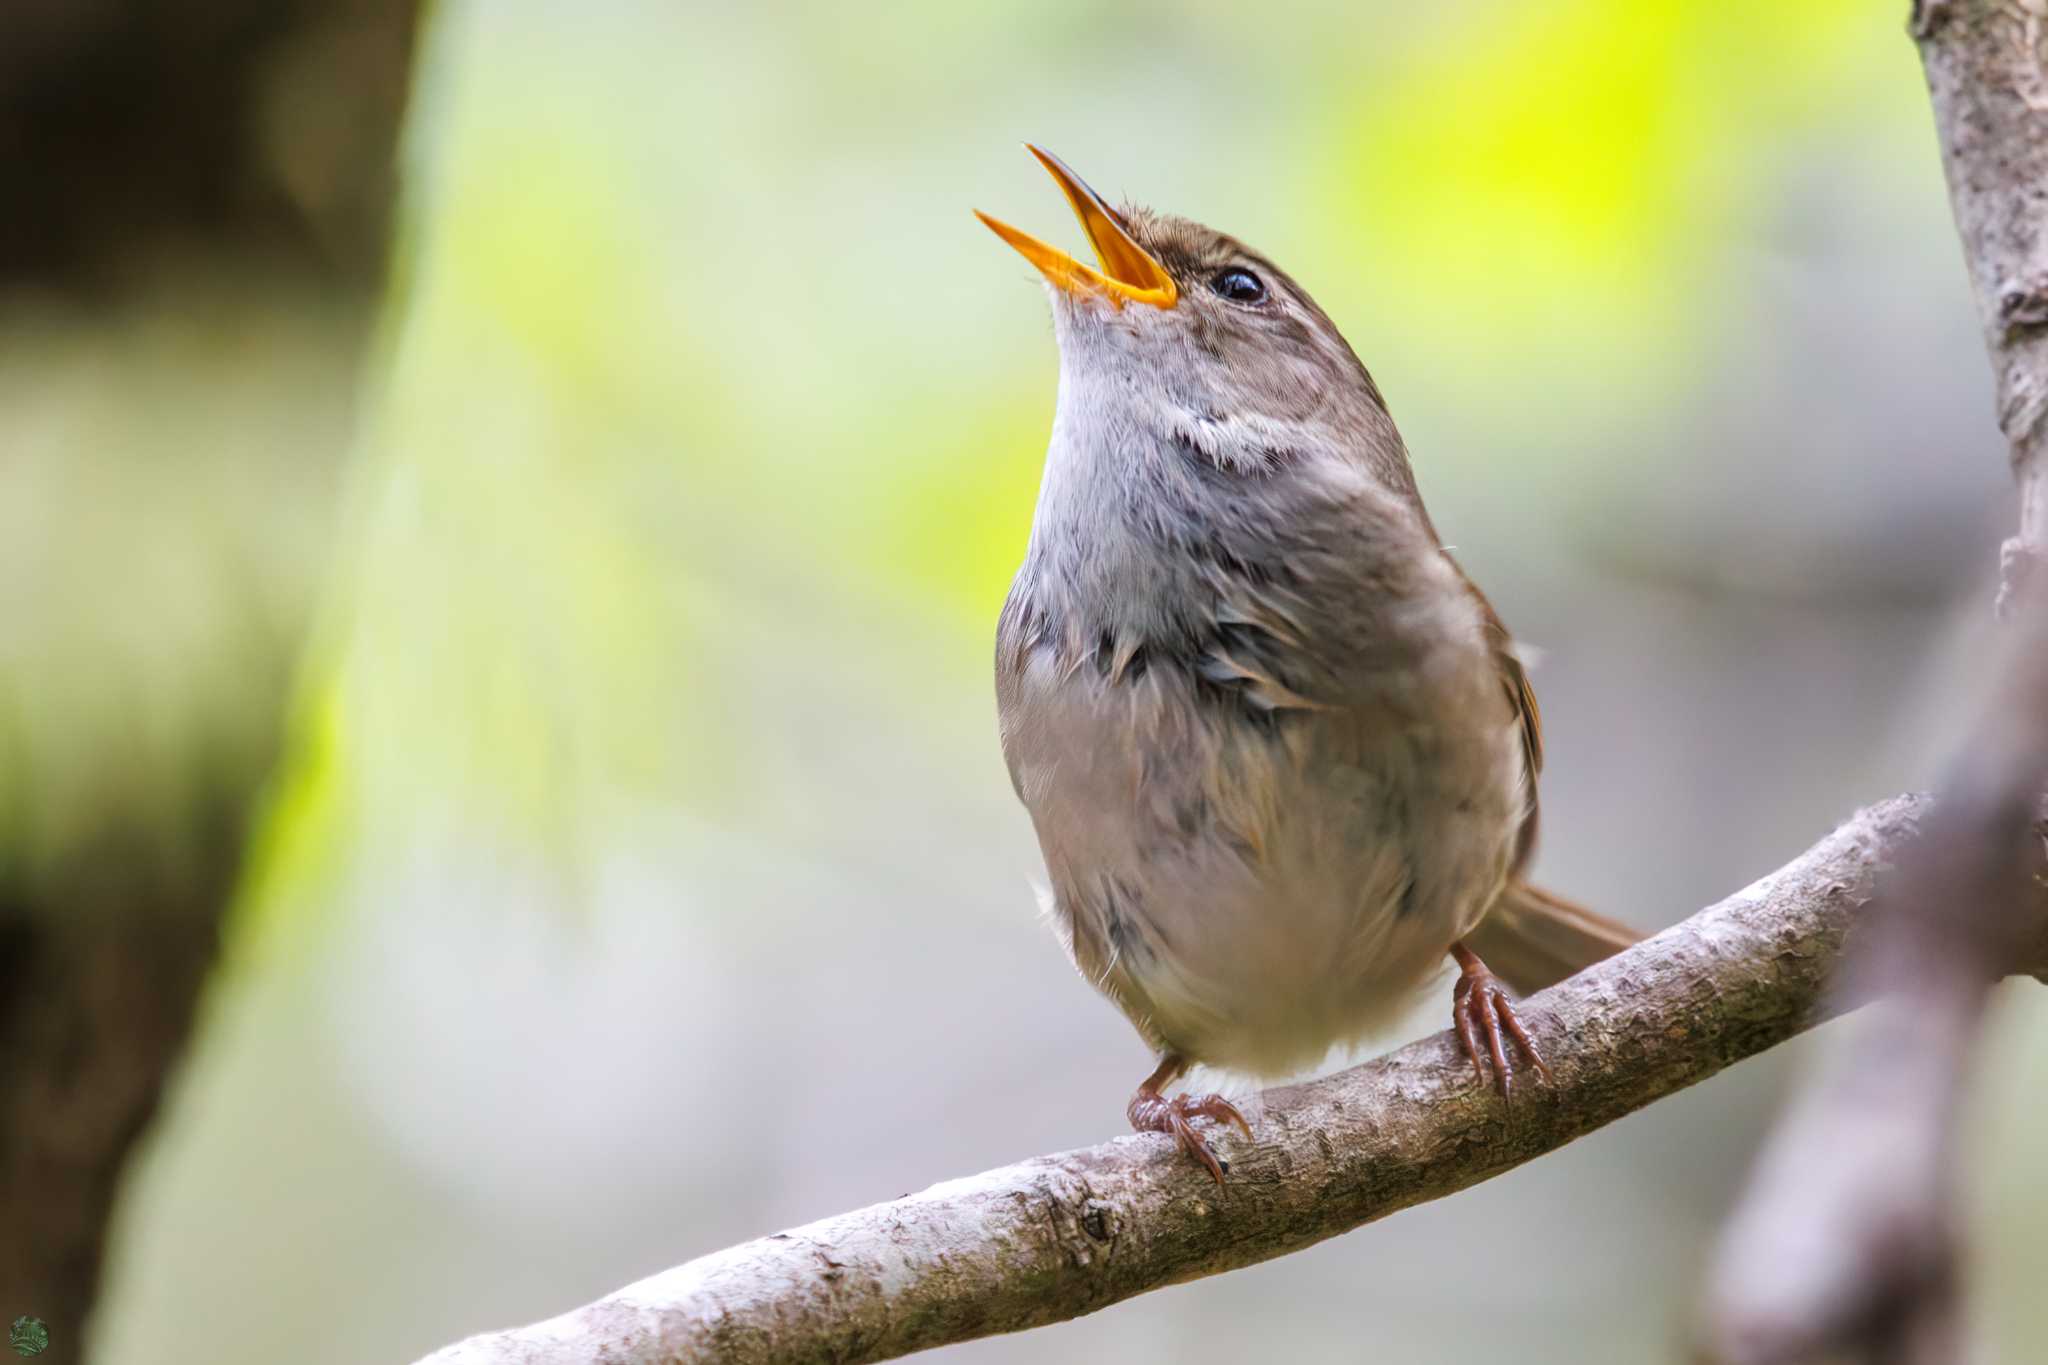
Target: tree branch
x: 1057, y: 1237
x: 1847, y: 1240
x: 1988, y: 81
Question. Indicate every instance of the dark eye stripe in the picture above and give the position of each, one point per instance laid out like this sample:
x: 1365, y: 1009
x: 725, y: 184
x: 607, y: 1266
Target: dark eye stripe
x: 1238, y: 285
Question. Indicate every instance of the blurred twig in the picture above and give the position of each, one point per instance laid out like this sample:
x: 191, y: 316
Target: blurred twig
x: 1847, y: 1237
x: 1847, y: 1241
x: 1057, y: 1237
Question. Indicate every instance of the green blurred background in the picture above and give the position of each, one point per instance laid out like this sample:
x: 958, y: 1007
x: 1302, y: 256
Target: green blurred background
x: 585, y: 605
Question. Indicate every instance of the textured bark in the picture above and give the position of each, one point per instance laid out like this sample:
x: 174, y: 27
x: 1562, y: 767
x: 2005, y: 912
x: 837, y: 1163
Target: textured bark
x: 1989, y: 91
x: 1989, y: 86
x: 1060, y: 1236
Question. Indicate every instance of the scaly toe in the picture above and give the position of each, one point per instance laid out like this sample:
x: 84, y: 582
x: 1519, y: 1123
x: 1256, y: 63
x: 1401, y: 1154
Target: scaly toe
x: 1481, y: 1009
x: 1218, y: 1110
x: 1191, y: 1143
x: 1154, y: 1113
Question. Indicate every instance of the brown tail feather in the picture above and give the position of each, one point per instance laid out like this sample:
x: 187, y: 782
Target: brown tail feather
x: 1532, y: 939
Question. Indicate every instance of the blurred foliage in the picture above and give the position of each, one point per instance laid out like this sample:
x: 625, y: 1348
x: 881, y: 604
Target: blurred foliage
x: 659, y: 356
x: 167, y: 478
x: 1576, y: 157
x: 643, y: 799
x: 158, y: 559
x: 1550, y: 194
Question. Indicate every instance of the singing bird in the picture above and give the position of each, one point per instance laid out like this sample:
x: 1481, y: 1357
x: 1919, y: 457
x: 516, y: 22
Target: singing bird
x: 1280, y: 752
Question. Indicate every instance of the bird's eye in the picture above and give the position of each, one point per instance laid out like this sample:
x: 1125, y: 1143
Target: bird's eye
x: 1239, y: 285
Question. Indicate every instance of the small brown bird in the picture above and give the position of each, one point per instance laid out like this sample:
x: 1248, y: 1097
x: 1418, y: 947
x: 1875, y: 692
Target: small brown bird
x: 1280, y: 752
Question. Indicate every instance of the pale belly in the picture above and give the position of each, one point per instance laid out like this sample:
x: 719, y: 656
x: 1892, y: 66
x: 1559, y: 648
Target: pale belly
x: 1251, y: 892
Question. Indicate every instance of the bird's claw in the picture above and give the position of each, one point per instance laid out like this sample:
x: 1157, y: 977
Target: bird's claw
x: 1155, y: 1113
x: 1482, y: 1009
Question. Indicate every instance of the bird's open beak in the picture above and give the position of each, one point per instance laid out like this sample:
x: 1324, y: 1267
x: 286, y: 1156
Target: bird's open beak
x: 1128, y: 271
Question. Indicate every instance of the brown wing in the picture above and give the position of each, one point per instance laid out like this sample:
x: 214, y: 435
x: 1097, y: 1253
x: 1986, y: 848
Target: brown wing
x: 1514, y: 680
x: 1532, y: 938
x: 1522, y: 697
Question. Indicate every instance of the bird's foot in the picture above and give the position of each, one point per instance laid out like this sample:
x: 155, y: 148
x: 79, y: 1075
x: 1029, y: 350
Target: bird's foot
x: 1482, y: 1009
x: 1152, y: 1112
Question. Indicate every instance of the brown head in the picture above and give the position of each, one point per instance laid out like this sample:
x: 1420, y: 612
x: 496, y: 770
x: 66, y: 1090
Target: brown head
x: 1198, y: 330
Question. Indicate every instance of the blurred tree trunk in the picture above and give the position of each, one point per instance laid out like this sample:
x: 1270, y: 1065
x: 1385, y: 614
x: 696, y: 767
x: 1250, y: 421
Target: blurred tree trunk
x: 156, y: 594
x: 132, y: 126
x: 97, y: 987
